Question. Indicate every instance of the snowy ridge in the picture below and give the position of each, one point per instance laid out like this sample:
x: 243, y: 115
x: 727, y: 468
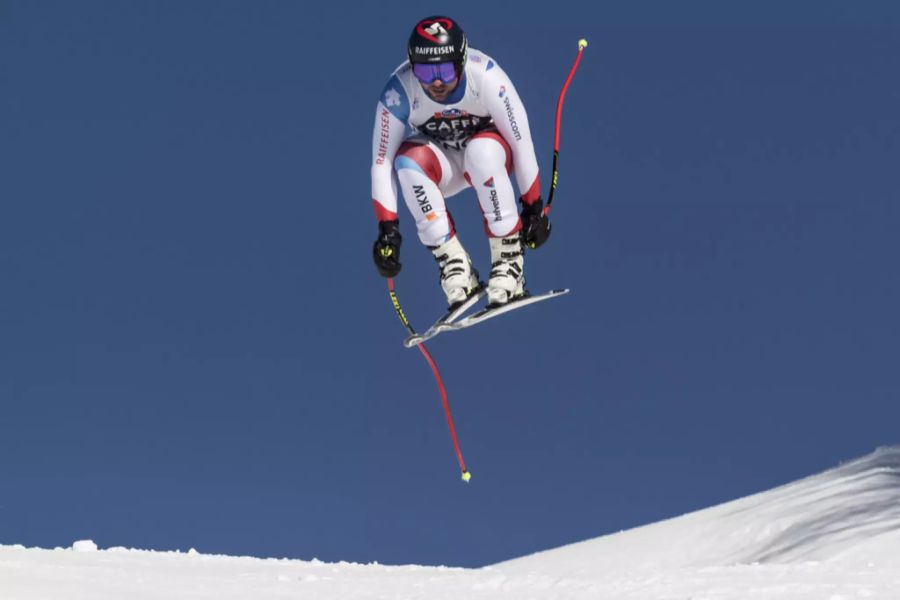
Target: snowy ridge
x: 833, y: 536
x: 851, y: 513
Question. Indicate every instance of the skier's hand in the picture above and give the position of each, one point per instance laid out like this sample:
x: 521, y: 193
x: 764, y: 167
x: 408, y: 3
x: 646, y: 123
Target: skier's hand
x: 386, y: 251
x: 535, y: 224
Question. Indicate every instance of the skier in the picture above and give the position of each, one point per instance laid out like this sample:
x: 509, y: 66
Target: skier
x: 449, y: 118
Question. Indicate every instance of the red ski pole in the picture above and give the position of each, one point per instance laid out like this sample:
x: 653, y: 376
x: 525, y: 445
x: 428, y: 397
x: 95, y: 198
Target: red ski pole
x: 559, y: 106
x: 466, y: 476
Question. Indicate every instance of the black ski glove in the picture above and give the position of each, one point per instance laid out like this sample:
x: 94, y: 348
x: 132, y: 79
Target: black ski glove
x: 386, y: 251
x: 535, y: 224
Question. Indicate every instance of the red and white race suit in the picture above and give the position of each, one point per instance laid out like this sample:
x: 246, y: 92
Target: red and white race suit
x: 476, y: 138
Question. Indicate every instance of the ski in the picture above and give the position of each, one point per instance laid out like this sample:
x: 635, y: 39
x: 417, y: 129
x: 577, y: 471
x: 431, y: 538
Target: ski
x: 417, y: 338
x: 480, y: 316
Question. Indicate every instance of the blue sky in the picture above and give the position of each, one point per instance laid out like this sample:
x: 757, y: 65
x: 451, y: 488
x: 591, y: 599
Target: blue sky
x: 197, y: 352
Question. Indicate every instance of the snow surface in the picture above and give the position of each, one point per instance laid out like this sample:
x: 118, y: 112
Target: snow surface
x: 834, y: 536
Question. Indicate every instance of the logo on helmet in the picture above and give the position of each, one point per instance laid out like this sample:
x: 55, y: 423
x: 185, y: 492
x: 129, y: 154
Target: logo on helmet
x: 430, y: 29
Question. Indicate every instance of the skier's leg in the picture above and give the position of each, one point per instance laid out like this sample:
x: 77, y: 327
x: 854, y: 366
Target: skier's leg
x: 422, y: 169
x: 488, y: 162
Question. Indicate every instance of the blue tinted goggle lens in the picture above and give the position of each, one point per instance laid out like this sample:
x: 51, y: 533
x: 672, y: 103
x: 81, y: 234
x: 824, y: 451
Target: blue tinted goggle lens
x: 428, y: 72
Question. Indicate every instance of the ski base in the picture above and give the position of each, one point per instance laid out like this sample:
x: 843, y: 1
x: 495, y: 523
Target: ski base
x: 451, y: 324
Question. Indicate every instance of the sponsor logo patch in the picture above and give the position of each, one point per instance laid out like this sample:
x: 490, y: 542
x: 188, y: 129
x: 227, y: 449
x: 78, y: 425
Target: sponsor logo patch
x: 392, y: 97
x: 511, y: 116
x: 495, y: 200
x: 453, y: 130
x: 422, y: 200
x: 384, y: 136
x: 453, y: 113
x: 434, y: 51
x: 431, y: 29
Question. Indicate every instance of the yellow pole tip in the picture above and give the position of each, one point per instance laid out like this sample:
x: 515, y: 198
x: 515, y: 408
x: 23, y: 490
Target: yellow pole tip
x: 466, y: 476
x: 582, y: 43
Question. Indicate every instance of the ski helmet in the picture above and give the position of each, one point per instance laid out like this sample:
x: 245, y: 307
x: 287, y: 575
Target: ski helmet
x: 437, y: 39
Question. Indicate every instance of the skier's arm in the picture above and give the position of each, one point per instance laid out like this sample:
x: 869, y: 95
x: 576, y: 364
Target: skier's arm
x: 391, y: 116
x: 508, y: 113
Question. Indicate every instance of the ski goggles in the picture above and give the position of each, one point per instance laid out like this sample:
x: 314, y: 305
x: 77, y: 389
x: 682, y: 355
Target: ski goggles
x: 445, y: 72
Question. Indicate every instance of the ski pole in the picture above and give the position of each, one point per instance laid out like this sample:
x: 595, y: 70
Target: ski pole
x: 582, y: 43
x: 466, y: 475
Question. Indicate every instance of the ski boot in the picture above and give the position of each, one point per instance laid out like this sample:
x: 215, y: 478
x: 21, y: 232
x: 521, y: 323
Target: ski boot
x: 458, y: 279
x: 507, y: 280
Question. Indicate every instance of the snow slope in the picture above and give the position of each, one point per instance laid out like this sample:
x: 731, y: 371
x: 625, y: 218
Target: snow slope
x: 834, y: 536
x: 847, y: 514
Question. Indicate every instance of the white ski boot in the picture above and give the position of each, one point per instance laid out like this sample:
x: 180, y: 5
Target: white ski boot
x: 507, y: 270
x: 458, y: 279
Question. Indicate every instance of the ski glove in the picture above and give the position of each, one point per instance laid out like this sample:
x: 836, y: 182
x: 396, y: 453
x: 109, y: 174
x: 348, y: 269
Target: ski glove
x: 386, y: 251
x: 535, y: 224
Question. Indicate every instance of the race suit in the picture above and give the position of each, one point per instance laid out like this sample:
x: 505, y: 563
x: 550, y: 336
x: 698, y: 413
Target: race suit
x: 475, y: 138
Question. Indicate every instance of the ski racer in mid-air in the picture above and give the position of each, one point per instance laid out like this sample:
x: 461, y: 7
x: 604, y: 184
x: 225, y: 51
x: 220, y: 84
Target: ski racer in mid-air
x: 450, y: 118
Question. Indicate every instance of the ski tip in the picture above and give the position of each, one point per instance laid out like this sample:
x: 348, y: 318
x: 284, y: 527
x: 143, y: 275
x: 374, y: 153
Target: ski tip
x: 582, y: 44
x: 413, y: 340
x: 466, y: 476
